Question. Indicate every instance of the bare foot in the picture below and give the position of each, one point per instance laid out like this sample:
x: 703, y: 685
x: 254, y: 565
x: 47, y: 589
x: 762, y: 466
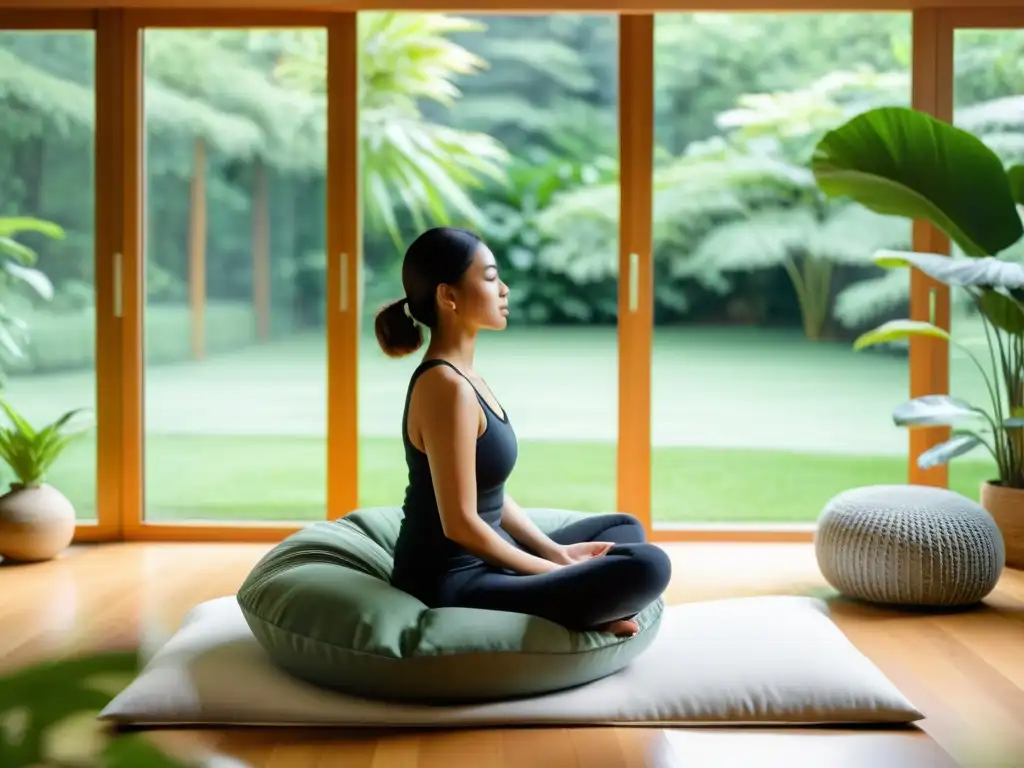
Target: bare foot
x: 621, y: 628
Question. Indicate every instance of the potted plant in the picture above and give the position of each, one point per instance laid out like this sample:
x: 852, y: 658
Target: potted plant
x: 37, y: 521
x: 901, y: 162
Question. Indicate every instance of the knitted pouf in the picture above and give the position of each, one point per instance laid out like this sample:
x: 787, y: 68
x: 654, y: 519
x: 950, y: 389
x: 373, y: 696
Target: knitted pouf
x: 909, y: 545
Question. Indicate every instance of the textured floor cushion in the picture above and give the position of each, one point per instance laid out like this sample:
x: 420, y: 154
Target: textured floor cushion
x: 909, y: 545
x: 321, y: 605
x: 758, y: 660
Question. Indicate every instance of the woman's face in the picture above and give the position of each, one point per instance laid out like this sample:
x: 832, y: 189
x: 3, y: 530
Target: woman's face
x: 480, y: 300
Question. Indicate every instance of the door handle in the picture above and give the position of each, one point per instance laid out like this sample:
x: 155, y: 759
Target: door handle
x: 118, y: 281
x: 634, y: 282
x: 343, y: 283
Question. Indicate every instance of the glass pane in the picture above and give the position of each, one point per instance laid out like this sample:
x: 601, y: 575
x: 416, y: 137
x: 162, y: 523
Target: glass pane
x: 761, y: 409
x: 988, y: 96
x: 235, y: 400
x: 47, y: 355
x: 506, y: 125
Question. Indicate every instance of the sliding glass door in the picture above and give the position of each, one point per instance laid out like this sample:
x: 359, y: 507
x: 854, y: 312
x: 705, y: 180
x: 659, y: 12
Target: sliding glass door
x: 235, y: 269
x: 683, y: 301
x: 506, y: 125
x: 761, y: 409
x: 988, y: 101
x: 47, y: 240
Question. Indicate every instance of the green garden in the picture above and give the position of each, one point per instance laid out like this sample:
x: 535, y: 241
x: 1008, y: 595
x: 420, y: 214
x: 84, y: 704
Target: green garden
x: 761, y: 409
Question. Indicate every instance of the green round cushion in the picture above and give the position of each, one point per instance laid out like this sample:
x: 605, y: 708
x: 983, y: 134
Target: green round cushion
x: 321, y: 604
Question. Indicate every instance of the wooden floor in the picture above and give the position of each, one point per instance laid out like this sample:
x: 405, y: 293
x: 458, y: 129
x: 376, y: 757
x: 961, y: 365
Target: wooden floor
x: 964, y: 670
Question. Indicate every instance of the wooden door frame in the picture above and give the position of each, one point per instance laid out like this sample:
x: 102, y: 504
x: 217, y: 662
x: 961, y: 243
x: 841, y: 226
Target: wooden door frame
x: 107, y: 208
x: 120, y: 294
x: 644, y: 7
x: 342, y: 237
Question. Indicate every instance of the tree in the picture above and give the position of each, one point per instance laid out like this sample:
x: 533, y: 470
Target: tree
x: 550, y: 83
x: 808, y: 236
x: 263, y: 94
x: 409, y: 163
x: 743, y: 201
x: 808, y: 241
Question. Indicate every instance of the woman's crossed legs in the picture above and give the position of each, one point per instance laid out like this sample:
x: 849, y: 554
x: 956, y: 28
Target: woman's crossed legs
x: 601, y: 593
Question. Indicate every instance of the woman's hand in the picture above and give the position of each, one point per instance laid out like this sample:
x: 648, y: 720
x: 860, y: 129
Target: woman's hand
x: 526, y: 532
x: 568, y: 554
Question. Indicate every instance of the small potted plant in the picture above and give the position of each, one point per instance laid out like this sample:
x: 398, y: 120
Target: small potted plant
x: 37, y: 522
x: 902, y: 162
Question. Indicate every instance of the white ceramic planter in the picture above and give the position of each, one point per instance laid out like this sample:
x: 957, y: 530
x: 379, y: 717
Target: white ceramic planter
x: 37, y: 522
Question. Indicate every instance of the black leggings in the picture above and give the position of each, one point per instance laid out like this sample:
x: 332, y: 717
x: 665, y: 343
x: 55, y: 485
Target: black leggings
x: 617, y: 585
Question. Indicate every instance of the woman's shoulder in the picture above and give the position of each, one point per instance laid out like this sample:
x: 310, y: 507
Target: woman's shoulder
x: 441, y: 381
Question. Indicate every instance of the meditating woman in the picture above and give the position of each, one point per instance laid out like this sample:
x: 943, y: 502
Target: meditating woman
x: 464, y: 541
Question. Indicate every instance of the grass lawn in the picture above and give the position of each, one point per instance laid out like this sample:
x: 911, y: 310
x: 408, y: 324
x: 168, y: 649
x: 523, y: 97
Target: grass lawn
x: 748, y: 426
x: 240, y: 478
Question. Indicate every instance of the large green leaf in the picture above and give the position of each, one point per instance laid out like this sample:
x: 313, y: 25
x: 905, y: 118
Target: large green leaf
x: 902, y: 162
x: 13, y: 249
x: 949, y: 450
x: 9, y: 343
x: 33, y: 278
x: 1003, y: 312
x: 1016, y: 176
x: 934, y: 411
x: 14, y: 225
x: 897, y: 330
x: 986, y: 272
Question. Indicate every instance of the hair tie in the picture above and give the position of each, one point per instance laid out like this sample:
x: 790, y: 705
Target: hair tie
x: 408, y: 312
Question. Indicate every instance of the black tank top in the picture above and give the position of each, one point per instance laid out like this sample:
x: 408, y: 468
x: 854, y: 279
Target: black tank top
x: 423, y: 554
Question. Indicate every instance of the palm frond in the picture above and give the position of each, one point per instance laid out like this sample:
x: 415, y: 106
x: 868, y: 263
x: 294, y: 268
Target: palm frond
x: 865, y: 301
x: 409, y: 164
x: 762, y: 240
x: 849, y: 234
x: 427, y: 169
x: 585, y: 254
x: 822, y: 105
x: 410, y: 54
x: 852, y: 234
x: 705, y: 185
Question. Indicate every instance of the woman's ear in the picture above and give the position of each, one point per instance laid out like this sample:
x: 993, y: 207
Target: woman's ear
x: 446, y: 299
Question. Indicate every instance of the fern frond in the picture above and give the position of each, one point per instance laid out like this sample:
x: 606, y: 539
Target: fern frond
x: 864, y: 302
x: 763, y: 240
x: 30, y: 453
x: 852, y: 234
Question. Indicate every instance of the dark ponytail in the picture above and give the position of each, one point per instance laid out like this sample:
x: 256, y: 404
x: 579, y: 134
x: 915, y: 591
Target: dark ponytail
x: 397, y: 333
